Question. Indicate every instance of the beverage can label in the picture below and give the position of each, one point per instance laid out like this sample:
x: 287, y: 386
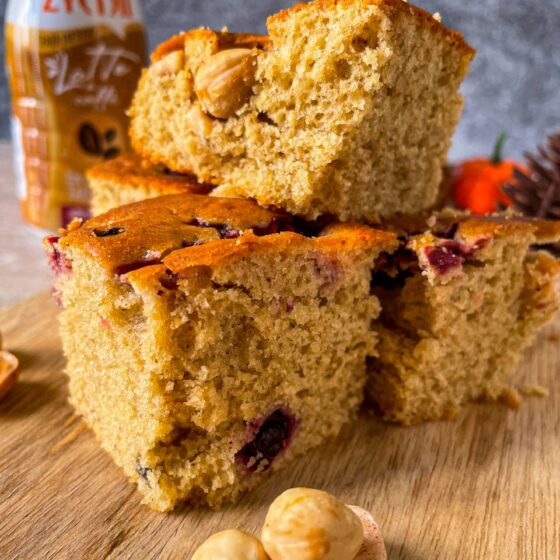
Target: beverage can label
x: 73, y: 68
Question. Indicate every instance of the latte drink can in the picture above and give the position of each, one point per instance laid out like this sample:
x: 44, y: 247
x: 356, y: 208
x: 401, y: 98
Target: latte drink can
x: 73, y: 66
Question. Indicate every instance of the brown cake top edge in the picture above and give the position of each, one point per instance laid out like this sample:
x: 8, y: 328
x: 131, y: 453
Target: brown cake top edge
x: 425, y: 17
x: 131, y: 169
x: 469, y: 226
x: 223, y: 39
x: 178, y: 228
x: 227, y: 40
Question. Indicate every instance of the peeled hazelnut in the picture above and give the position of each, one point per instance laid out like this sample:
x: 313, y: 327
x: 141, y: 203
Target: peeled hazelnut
x: 373, y: 547
x: 224, y: 83
x: 199, y: 122
x: 306, y: 524
x: 9, y: 372
x: 169, y: 65
x: 230, y: 545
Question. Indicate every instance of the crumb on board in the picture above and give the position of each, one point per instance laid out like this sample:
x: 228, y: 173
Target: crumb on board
x: 531, y: 390
x: 511, y: 398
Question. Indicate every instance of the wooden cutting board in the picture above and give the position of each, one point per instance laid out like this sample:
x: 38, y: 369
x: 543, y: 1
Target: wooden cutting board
x: 486, y: 486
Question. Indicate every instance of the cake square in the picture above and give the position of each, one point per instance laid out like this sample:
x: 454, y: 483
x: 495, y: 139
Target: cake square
x: 347, y: 108
x: 210, y: 341
x: 128, y: 178
x: 462, y: 298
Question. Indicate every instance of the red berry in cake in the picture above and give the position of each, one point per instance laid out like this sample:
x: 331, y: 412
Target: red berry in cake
x: 136, y: 265
x: 170, y: 280
x: 443, y: 258
x: 270, y: 437
x: 58, y: 261
x: 108, y: 232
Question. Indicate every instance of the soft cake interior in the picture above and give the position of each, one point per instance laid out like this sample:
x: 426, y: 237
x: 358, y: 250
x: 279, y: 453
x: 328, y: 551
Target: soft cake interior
x: 352, y: 114
x: 200, y: 381
x: 454, y: 337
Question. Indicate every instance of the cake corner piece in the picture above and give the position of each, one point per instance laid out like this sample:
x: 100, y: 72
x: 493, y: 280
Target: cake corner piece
x: 216, y: 342
x: 289, y: 119
x: 129, y: 178
x: 462, y: 299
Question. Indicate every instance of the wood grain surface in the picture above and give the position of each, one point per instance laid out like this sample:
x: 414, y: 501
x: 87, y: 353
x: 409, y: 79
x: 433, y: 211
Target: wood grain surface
x: 486, y: 486
x: 23, y: 267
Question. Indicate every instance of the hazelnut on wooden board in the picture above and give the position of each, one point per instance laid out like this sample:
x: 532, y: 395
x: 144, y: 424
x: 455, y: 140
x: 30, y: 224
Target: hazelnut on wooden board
x: 9, y: 372
x: 169, y: 65
x: 307, y: 524
x: 224, y: 82
x: 373, y: 547
x: 230, y: 545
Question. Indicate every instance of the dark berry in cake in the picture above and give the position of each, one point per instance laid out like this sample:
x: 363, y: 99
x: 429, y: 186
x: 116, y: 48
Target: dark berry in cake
x: 443, y: 258
x: 269, y: 438
x: 108, y: 232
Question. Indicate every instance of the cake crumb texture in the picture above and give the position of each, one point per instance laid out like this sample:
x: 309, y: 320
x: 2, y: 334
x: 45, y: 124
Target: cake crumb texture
x: 215, y: 343
x: 128, y: 179
x: 461, y: 301
x: 347, y: 108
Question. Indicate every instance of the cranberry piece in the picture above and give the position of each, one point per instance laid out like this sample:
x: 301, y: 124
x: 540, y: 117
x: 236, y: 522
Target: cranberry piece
x: 289, y: 305
x: 270, y: 437
x: 136, y: 265
x: 227, y: 232
x: 58, y: 261
x: 108, y: 232
x: 444, y: 258
x: 170, y: 280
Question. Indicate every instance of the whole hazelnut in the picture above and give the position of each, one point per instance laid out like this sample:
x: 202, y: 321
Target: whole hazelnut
x: 9, y: 372
x: 169, y: 65
x: 224, y: 82
x: 373, y: 547
x: 306, y: 524
x: 230, y: 545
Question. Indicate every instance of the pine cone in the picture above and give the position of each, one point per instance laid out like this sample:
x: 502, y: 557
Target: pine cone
x: 537, y: 192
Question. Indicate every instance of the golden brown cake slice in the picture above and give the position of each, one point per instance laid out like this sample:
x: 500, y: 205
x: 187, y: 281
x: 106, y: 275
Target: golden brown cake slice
x: 129, y: 178
x: 209, y: 342
x: 348, y: 108
x: 461, y: 301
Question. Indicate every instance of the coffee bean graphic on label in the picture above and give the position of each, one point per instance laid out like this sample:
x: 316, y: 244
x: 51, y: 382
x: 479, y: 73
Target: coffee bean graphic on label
x: 89, y: 139
x: 98, y: 144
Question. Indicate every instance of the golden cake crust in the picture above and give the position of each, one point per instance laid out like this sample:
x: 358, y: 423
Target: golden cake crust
x: 154, y: 231
x: 498, y: 225
x: 226, y: 39
x: 223, y: 39
x: 219, y: 252
x: 454, y: 37
x: 131, y: 170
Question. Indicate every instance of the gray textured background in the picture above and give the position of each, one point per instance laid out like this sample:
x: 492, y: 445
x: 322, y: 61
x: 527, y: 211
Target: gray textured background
x: 514, y: 83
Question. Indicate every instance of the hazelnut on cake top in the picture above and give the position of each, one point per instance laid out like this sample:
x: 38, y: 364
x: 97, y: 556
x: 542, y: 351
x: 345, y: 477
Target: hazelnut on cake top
x: 347, y: 108
x: 462, y: 298
x: 210, y: 341
x: 128, y: 178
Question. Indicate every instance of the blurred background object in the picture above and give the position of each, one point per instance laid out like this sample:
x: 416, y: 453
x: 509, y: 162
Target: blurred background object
x: 514, y: 83
x: 72, y: 72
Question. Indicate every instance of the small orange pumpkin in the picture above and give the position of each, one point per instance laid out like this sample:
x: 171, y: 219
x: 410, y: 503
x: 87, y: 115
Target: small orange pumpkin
x: 477, y: 183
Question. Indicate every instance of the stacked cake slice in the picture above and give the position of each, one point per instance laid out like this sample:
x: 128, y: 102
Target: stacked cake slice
x: 462, y: 298
x: 211, y: 340
x: 215, y: 342
x: 347, y: 108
